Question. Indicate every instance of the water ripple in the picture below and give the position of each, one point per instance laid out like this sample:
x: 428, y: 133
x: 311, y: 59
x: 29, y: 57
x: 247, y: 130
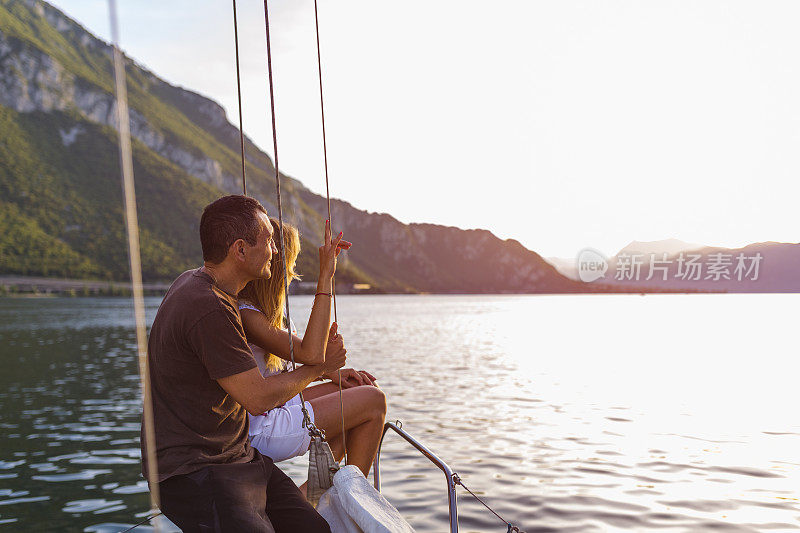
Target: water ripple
x: 74, y: 476
x: 552, y: 436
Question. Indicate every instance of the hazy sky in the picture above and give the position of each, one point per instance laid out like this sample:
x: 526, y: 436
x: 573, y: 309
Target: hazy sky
x: 560, y: 123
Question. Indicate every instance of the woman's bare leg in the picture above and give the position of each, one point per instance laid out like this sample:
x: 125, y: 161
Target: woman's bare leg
x: 336, y: 443
x: 364, y: 415
x: 323, y: 389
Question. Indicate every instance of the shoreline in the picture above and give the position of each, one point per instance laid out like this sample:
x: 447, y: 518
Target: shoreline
x: 44, y: 287
x: 35, y: 286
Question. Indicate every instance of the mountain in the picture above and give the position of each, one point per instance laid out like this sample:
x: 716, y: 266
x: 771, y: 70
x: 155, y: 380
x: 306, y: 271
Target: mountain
x: 60, y: 194
x: 676, y: 266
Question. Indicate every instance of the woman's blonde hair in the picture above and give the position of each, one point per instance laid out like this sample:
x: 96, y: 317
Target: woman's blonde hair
x: 268, y: 294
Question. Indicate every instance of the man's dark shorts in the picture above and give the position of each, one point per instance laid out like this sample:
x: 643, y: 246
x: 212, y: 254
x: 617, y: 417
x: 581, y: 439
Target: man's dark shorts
x: 254, y: 496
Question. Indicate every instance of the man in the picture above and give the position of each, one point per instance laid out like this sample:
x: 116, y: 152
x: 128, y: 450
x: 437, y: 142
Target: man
x: 204, y: 381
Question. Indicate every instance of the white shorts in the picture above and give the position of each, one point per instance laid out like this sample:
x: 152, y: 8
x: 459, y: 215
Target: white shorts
x: 279, y: 433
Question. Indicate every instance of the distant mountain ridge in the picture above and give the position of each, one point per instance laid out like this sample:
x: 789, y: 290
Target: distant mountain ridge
x: 60, y: 198
x: 680, y: 266
x: 757, y: 267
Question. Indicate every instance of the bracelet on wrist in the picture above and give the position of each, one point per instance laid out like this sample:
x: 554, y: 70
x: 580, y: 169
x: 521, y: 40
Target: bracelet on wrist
x: 323, y: 294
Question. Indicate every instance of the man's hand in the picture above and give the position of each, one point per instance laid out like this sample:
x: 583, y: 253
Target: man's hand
x: 368, y: 378
x: 352, y: 378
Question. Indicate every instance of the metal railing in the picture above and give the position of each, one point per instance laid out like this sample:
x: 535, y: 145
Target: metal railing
x: 448, y: 472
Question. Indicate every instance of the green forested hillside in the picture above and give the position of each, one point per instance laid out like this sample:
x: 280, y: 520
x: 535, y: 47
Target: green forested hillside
x: 72, y: 194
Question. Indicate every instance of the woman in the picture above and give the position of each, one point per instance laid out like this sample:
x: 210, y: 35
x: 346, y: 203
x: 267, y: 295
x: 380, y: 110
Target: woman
x: 279, y: 432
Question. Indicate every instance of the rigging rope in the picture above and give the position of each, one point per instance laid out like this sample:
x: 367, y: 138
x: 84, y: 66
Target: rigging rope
x: 239, y: 91
x: 330, y: 218
x: 142, y: 522
x: 511, y: 527
x: 306, y: 418
x: 456, y: 478
x: 132, y: 229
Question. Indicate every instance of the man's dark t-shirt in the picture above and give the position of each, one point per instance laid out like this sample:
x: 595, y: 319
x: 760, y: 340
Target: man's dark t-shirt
x: 197, y: 337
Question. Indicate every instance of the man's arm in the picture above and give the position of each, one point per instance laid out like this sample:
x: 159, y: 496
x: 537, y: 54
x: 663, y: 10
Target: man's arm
x: 257, y: 394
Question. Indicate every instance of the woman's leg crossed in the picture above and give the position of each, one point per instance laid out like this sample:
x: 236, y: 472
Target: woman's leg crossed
x: 364, y: 415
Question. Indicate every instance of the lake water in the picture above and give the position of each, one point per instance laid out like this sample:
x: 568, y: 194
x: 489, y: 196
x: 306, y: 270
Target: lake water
x: 566, y: 413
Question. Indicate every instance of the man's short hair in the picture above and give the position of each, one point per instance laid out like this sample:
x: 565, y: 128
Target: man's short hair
x: 226, y: 220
